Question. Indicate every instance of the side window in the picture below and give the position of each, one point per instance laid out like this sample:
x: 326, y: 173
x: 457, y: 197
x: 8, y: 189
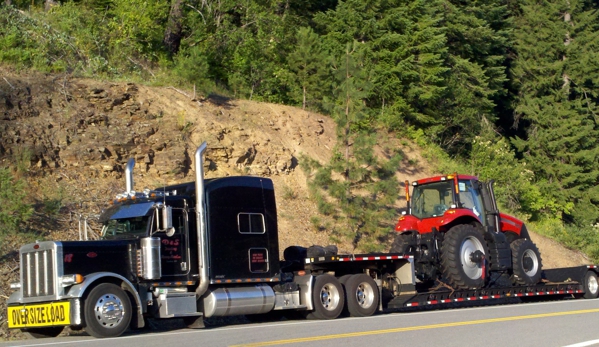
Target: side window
x: 251, y: 223
x: 258, y: 260
x: 470, y: 198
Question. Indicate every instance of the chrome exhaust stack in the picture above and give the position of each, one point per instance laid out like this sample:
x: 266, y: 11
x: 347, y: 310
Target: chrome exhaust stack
x: 201, y: 221
x: 129, y: 174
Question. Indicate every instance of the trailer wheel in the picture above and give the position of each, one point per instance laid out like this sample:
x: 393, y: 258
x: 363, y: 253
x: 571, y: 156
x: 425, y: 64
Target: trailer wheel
x: 107, y: 311
x: 463, y: 257
x: 40, y: 333
x: 362, y: 295
x: 328, y: 298
x: 591, y: 285
x: 526, y: 262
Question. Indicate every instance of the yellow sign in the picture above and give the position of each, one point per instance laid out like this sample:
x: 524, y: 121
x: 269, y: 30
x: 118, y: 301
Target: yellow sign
x: 41, y: 315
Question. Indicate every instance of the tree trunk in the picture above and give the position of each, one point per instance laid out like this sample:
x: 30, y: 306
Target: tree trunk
x: 174, y: 28
x: 304, y: 98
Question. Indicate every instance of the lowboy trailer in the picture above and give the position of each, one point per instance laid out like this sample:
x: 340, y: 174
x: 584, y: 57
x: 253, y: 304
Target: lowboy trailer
x: 210, y: 248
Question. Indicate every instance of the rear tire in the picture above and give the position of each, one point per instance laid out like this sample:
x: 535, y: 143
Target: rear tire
x: 41, y: 333
x: 462, y: 245
x: 591, y: 285
x: 526, y: 262
x: 328, y: 298
x: 107, y: 311
x: 362, y: 295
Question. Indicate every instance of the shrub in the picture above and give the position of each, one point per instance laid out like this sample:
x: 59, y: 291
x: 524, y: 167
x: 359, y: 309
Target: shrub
x: 13, y: 210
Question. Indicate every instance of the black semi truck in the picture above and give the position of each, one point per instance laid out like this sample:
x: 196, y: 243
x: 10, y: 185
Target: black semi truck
x: 210, y: 248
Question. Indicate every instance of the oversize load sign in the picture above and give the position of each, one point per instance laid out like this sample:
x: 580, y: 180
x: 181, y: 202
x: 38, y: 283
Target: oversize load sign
x: 54, y: 313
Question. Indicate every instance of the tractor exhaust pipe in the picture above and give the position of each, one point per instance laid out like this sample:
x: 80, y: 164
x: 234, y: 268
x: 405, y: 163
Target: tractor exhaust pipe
x: 201, y: 221
x: 129, y: 174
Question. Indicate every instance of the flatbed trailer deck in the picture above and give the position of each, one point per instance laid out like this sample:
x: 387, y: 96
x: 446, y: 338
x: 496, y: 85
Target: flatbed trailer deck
x: 577, y: 282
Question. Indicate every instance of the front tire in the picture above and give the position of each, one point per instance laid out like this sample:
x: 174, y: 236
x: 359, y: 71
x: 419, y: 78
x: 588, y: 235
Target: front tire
x: 328, y: 298
x: 41, y: 333
x: 362, y: 295
x: 526, y: 262
x: 462, y: 257
x: 107, y: 311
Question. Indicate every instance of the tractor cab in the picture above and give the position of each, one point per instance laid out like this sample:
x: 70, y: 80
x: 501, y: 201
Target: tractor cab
x: 438, y: 203
x: 439, y: 194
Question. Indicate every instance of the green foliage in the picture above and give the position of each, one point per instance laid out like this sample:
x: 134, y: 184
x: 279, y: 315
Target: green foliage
x: 583, y: 239
x: 558, y: 100
x: 29, y: 42
x: 14, y: 211
x: 493, y: 158
x: 458, y: 78
x: 355, y: 188
x: 307, y: 62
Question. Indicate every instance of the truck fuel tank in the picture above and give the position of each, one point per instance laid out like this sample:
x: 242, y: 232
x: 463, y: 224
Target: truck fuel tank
x: 233, y: 301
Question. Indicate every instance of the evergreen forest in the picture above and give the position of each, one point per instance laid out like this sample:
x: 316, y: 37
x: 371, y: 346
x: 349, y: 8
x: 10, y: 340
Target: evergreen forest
x: 503, y: 89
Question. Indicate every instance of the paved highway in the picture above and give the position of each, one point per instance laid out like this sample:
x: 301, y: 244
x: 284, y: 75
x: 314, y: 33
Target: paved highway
x: 573, y: 323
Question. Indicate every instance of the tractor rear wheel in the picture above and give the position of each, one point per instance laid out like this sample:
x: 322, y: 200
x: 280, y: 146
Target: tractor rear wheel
x: 463, y: 256
x: 526, y: 262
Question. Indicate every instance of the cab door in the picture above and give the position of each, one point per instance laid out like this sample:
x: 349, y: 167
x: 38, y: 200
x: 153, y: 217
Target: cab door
x: 174, y: 250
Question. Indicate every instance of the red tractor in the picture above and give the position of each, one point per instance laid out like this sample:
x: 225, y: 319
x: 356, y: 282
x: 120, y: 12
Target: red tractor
x: 457, y: 235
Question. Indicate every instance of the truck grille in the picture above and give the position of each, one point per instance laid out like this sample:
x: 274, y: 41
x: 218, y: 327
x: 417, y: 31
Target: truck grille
x: 40, y: 270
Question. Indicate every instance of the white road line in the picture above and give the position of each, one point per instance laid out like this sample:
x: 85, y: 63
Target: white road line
x: 584, y: 344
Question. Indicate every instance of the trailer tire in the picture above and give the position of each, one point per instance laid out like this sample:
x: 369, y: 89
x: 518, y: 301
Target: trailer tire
x: 458, y: 265
x: 41, y: 333
x: 328, y: 298
x: 107, y: 311
x: 362, y: 295
x: 526, y: 262
x: 591, y: 285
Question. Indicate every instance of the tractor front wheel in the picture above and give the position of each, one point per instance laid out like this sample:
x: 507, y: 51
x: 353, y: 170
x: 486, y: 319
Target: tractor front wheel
x: 526, y: 262
x: 463, y: 256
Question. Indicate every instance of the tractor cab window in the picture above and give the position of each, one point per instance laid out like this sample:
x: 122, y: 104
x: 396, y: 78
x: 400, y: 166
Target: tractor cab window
x: 470, y: 198
x: 432, y: 199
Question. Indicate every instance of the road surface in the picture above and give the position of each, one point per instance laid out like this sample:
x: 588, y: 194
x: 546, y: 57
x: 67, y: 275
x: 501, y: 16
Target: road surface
x: 573, y: 323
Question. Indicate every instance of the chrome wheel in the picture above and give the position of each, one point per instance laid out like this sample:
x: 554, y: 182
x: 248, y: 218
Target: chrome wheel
x: 109, y: 310
x: 330, y: 297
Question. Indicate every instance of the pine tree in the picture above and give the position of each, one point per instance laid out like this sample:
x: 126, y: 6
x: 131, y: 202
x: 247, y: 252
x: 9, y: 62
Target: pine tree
x: 307, y: 61
x: 355, y: 188
x: 558, y: 73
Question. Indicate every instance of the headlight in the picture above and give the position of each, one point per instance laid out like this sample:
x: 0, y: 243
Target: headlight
x: 69, y: 280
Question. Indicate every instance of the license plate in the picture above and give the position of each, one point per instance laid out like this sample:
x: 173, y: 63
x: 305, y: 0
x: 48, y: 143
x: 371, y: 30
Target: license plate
x: 39, y: 315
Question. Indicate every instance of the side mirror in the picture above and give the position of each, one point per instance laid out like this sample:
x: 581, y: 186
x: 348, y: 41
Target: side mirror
x: 167, y: 217
x: 167, y: 221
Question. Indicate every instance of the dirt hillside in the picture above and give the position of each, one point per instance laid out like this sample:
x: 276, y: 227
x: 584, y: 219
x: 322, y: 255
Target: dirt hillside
x: 72, y: 137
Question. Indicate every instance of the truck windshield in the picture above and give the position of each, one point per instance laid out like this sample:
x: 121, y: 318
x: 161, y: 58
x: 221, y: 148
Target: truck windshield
x: 125, y: 228
x: 126, y: 220
x: 431, y: 199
